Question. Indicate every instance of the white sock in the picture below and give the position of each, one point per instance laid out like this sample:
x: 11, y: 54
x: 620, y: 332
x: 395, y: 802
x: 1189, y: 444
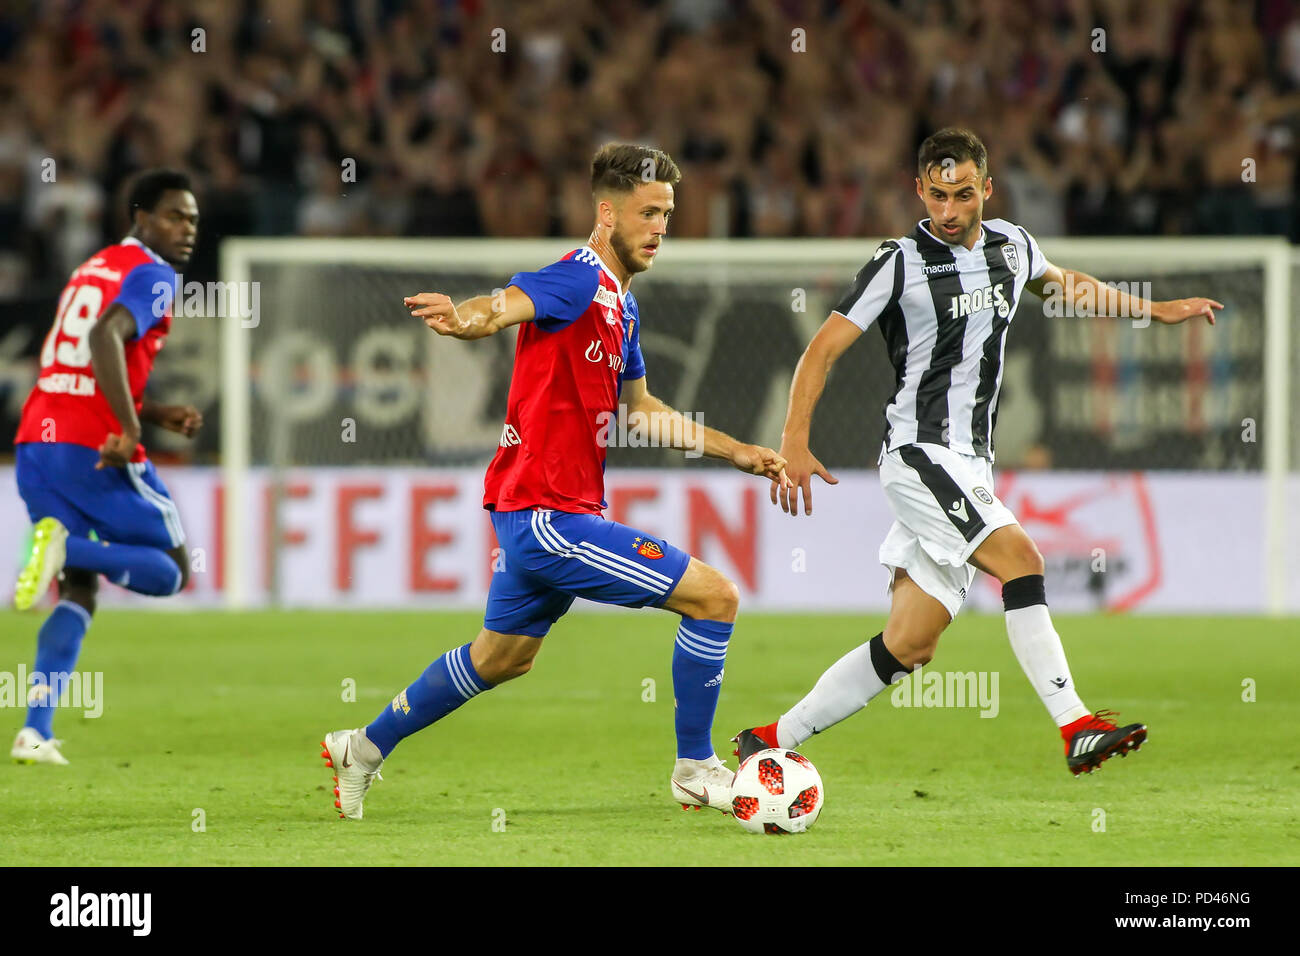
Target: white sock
x: 842, y: 691
x: 1038, y: 648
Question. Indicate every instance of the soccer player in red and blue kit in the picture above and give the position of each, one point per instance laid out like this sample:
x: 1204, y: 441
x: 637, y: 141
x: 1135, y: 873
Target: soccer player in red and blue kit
x: 578, y: 355
x: 80, y: 466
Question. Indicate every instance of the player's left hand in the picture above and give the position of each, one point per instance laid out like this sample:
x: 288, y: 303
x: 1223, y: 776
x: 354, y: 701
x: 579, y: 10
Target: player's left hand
x: 183, y: 419
x: 757, y: 460
x: 1180, y: 310
x: 117, y: 451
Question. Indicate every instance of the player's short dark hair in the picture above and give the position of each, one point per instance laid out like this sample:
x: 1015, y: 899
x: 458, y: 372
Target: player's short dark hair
x: 621, y: 167
x: 148, y: 187
x: 956, y: 144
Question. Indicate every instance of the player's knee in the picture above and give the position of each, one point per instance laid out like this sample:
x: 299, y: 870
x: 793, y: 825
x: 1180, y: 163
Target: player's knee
x: 80, y: 587
x: 726, y: 600
x: 922, y: 654
x: 519, y: 667
x: 178, y: 556
x: 912, y: 645
x: 501, y: 664
x: 1030, y: 559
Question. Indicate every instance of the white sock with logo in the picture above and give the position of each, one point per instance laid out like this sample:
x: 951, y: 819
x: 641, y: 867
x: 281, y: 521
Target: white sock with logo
x: 1038, y: 648
x: 843, y: 690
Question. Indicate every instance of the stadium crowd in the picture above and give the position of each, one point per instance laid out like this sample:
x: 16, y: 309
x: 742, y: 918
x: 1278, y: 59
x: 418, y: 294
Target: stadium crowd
x: 788, y: 117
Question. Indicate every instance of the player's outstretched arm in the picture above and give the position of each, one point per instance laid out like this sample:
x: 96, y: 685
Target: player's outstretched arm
x: 474, y: 318
x: 1091, y: 296
x: 836, y: 334
x: 108, y: 361
x: 671, y: 429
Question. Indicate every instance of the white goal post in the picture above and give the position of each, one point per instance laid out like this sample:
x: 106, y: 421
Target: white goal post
x: 720, y: 261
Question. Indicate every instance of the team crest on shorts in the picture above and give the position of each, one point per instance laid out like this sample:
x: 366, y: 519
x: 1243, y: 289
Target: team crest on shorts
x: 983, y: 495
x: 648, y: 549
x: 1012, y: 255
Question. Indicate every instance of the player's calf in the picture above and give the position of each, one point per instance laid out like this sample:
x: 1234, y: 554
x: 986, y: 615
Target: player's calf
x: 58, y: 645
x: 501, y: 657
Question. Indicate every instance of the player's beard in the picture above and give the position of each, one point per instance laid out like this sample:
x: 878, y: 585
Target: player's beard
x: 626, y: 253
x: 962, y: 237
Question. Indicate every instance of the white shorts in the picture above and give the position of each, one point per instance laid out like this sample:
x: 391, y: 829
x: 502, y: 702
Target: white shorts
x: 944, y: 507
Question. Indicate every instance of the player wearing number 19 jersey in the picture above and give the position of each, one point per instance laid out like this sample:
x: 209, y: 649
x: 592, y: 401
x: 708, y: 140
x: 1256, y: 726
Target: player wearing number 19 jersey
x: 577, y: 358
x: 81, y: 469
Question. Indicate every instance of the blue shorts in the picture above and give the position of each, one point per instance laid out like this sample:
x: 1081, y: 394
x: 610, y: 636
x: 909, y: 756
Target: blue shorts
x: 123, y: 505
x: 551, y: 557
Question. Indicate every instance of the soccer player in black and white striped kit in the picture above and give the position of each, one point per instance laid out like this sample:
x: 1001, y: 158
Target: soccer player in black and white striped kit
x: 943, y: 298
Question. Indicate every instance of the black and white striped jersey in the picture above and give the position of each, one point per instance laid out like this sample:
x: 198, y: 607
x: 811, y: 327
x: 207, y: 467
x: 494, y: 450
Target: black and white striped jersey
x: 944, y: 311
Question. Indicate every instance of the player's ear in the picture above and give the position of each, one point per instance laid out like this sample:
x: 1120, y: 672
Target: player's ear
x: 988, y: 187
x: 605, y: 213
x: 919, y: 191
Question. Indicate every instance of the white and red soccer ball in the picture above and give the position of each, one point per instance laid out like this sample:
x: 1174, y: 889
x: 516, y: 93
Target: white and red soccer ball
x: 777, y: 791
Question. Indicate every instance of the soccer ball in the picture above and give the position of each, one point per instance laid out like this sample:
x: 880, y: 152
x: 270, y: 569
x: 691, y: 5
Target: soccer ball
x: 777, y: 791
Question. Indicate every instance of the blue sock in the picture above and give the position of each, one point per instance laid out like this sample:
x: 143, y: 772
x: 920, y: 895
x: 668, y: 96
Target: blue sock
x: 136, y: 567
x: 445, y: 684
x: 698, y: 657
x: 57, y: 647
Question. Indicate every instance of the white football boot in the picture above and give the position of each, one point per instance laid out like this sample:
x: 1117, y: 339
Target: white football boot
x: 352, y: 778
x: 702, y: 783
x: 31, y: 747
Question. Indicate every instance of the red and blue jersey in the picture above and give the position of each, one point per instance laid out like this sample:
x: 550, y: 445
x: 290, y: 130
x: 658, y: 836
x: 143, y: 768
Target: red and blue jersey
x: 66, y: 405
x: 570, y: 364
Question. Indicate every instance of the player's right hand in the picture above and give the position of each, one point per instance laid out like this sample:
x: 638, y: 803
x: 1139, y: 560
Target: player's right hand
x: 438, y: 312
x: 800, y: 466
x: 116, y: 452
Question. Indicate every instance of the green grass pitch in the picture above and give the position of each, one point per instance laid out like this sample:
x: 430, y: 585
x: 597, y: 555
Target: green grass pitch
x: 221, y: 713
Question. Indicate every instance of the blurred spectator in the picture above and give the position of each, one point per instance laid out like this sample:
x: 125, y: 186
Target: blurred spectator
x: 788, y: 119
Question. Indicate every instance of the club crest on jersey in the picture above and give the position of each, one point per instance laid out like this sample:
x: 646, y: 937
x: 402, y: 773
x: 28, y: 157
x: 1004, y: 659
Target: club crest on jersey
x: 983, y: 495
x: 1012, y: 255
x: 648, y: 549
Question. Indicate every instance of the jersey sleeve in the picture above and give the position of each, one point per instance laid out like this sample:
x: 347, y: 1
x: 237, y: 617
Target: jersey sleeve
x: 147, y: 293
x: 634, y: 366
x: 1037, y: 262
x: 560, y: 292
x: 873, y: 288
